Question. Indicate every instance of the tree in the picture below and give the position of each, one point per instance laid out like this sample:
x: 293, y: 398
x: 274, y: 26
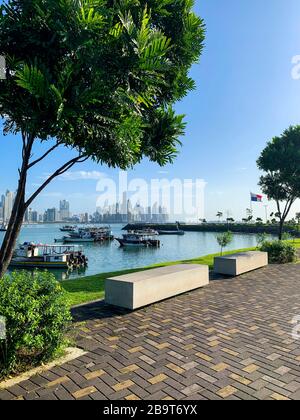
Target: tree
x: 280, y: 161
x: 224, y: 239
x: 219, y: 215
x: 99, y: 77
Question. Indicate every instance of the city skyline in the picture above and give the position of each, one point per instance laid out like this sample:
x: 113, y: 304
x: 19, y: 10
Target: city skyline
x: 119, y: 212
x: 110, y: 213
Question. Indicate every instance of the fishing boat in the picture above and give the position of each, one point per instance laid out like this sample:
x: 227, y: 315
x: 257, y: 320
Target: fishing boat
x: 138, y: 239
x: 177, y: 232
x: 68, y: 228
x: 88, y: 234
x: 99, y: 233
x: 31, y: 255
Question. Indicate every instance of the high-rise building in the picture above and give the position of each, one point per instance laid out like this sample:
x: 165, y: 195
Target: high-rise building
x: 64, y: 210
x: 124, y: 205
x: 51, y: 215
x: 31, y: 216
x: 8, y: 205
x: 34, y: 217
x: 2, y: 201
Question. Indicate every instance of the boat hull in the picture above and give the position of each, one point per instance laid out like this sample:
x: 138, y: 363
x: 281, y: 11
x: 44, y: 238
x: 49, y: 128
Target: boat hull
x: 171, y: 232
x: 128, y: 244
x: 38, y: 264
x: 78, y: 240
x: 140, y: 244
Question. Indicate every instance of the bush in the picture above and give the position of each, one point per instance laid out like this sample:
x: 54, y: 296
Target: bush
x: 280, y: 252
x: 36, y: 314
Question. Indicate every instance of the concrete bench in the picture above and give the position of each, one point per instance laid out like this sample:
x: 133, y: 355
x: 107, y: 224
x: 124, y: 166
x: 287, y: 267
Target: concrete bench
x: 133, y: 291
x: 236, y: 264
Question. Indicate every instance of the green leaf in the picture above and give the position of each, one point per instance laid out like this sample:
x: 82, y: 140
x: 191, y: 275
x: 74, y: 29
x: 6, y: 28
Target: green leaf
x: 33, y: 80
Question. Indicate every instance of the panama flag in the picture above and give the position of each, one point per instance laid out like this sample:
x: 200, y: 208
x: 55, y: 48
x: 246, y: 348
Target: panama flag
x: 256, y: 197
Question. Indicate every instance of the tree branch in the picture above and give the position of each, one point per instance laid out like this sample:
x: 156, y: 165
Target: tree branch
x: 44, y: 155
x: 64, y: 168
x: 24, y: 144
x: 288, y: 207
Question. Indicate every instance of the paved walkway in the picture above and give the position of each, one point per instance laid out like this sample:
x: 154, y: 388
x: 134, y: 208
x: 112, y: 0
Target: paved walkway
x: 231, y: 340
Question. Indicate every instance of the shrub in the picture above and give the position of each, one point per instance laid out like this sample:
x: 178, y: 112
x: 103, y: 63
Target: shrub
x: 280, y: 252
x: 36, y: 314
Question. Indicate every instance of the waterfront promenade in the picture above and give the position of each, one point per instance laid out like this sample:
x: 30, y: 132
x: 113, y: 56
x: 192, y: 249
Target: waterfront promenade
x: 231, y: 340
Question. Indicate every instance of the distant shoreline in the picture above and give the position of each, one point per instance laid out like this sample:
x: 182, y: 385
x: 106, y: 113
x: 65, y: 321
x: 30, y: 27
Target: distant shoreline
x: 271, y: 229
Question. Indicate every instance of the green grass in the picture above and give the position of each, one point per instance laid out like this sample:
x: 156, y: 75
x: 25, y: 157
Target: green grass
x: 88, y: 289
x: 296, y: 242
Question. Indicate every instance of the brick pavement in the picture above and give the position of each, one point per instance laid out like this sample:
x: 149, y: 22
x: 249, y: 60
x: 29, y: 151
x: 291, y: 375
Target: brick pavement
x: 231, y: 340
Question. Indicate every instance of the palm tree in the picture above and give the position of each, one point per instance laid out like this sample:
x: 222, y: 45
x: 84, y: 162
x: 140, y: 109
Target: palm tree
x: 219, y: 215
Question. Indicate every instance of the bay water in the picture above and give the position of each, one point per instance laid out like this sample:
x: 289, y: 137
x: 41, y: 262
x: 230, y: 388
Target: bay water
x: 109, y: 257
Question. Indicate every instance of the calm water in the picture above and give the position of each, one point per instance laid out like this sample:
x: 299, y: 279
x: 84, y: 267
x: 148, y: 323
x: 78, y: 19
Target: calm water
x: 110, y: 257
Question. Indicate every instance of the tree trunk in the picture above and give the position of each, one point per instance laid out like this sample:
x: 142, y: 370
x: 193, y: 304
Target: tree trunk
x: 18, y: 212
x: 20, y: 204
x: 280, y: 233
x: 10, y: 240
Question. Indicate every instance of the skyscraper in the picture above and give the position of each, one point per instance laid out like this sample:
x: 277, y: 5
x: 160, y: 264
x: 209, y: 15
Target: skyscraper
x: 51, y: 215
x: 2, y: 201
x: 64, y: 210
x: 8, y: 205
x: 31, y: 216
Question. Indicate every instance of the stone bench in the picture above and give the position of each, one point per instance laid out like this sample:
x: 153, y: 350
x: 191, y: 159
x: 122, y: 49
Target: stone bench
x: 236, y: 264
x: 133, y: 291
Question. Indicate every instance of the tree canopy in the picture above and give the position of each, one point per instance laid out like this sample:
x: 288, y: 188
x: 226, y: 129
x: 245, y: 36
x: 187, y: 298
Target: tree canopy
x: 100, y: 76
x: 280, y: 161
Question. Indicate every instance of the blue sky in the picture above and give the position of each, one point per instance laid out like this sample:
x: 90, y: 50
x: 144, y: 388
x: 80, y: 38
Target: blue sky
x: 245, y: 95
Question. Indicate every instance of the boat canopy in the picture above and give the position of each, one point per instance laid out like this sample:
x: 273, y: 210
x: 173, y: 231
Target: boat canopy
x: 54, y: 249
